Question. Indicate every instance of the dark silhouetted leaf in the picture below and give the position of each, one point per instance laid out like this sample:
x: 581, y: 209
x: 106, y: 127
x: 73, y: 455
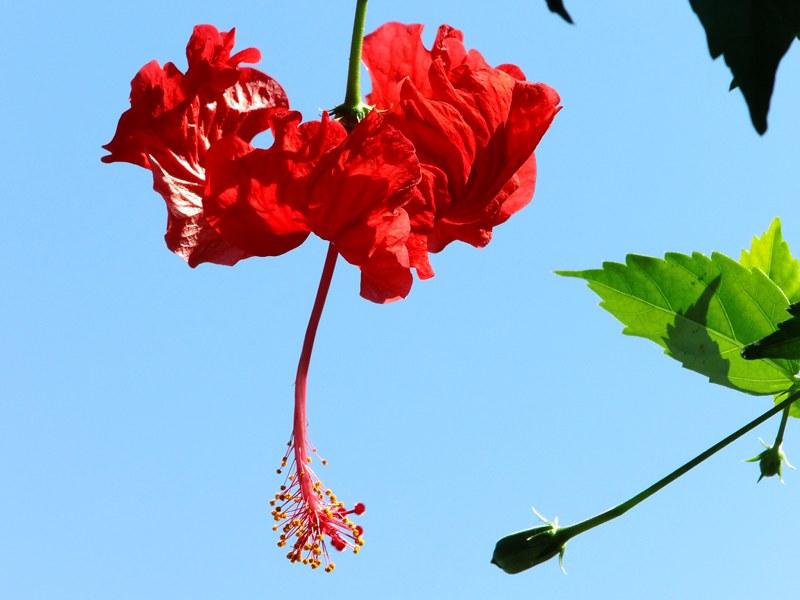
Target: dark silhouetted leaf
x: 753, y: 36
x: 557, y: 6
x: 783, y: 343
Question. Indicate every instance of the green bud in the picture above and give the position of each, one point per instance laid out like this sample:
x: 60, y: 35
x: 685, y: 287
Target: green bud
x: 525, y: 549
x: 770, y: 461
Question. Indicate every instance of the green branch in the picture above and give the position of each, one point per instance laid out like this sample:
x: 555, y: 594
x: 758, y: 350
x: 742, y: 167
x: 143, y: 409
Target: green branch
x: 526, y: 549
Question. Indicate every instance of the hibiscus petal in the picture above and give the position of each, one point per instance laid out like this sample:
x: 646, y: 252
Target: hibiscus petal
x: 174, y: 118
x: 374, y: 166
x: 209, y: 56
x: 393, y: 53
x: 518, y: 192
x: 385, y: 274
x: 356, y: 195
x: 244, y: 200
x: 474, y: 128
x: 188, y: 234
x: 257, y: 199
x: 154, y: 91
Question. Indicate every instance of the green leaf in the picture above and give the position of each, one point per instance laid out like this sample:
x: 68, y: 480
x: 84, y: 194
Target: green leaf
x: 771, y: 254
x: 753, y: 35
x: 701, y: 310
x: 557, y: 6
x: 784, y: 343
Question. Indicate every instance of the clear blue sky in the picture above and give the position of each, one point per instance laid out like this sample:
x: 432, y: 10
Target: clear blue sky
x: 145, y: 405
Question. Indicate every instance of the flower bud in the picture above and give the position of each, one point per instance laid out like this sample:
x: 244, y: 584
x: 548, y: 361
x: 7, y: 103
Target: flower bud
x: 770, y: 461
x: 525, y: 549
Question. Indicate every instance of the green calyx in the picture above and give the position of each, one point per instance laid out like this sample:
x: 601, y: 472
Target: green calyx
x: 350, y: 115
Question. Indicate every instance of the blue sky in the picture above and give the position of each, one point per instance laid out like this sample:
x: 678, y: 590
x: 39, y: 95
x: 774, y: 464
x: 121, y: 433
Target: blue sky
x: 145, y: 405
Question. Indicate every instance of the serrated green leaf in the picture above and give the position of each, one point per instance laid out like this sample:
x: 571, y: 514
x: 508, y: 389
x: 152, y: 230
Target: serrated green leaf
x: 753, y: 35
x: 701, y: 310
x: 771, y: 254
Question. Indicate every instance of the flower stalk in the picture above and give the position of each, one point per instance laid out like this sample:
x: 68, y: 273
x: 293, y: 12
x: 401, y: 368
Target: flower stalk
x: 306, y: 511
x: 526, y: 549
x: 782, y: 428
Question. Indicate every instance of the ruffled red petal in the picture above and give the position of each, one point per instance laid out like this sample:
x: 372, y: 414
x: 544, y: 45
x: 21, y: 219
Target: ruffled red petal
x: 474, y: 129
x: 175, y: 117
x: 356, y: 198
x: 257, y: 199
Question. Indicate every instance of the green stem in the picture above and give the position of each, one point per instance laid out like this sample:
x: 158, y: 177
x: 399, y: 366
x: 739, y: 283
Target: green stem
x: 621, y: 509
x: 353, y: 109
x: 782, y: 428
x: 352, y: 98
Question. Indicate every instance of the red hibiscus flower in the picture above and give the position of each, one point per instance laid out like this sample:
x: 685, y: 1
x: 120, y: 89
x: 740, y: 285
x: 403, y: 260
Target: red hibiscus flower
x: 447, y: 155
x: 474, y: 129
x: 175, y: 117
